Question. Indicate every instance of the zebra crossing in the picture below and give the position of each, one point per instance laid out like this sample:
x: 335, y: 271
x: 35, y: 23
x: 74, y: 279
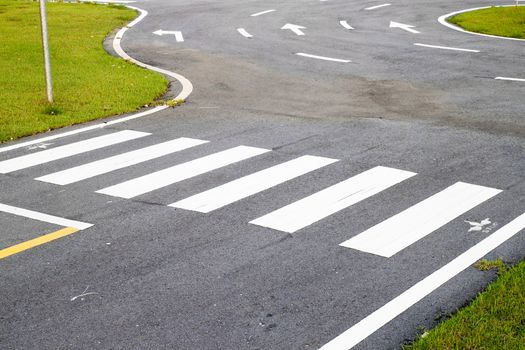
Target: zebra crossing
x: 385, y: 239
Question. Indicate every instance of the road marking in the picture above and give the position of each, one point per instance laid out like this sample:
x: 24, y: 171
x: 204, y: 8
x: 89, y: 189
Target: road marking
x: 400, y: 231
x: 403, y: 302
x: 244, y: 33
x: 406, y: 27
x: 177, y: 173
x: 294, y: 28
x: 322, y: 57
x: 443, y: 21
x: 178, y: 34
x: 72, y: 149
x: 81, y: 130
x: 187, y: 87
x: 346, y: 25
x: 43, y: 217
x: 313, y: 208
x: 120, y: 161
x: 377, y: 7
x: 445, y: 47
x: 261, y: 13
x: 18, y: 248
x: 509, y: 79
x: 233, y: 191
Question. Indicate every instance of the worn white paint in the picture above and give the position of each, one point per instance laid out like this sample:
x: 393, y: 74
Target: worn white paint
x: 509, y: 79
x: 376, y: 7
x: 55, y: 220
x: 400, y: 231
x: 313, y: 208
x: 323, y: 58
x: 367, y: 326
x: 180, y: 172
x: 262, y: 13
x: 69, y: 150
x: 233, y: 191
x: 446, y: 48
x: 120, y: 161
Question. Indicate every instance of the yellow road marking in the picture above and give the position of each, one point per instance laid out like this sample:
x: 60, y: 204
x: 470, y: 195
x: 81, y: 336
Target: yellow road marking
x: 4, y: 253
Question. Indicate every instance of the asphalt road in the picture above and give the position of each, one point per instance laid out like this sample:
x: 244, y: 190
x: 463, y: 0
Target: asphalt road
x: 147, y: 275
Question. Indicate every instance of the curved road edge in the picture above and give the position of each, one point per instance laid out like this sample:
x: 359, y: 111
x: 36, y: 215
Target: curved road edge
x: 443, y: 21
x: 187, y: 88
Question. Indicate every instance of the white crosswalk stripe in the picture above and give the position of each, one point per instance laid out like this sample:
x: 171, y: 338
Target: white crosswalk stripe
x: 409, y: 226
x: 120, y: 161
x: 69, y: 150
x: 233, y: 191
x: 162, y: 178
x: 313, y: 208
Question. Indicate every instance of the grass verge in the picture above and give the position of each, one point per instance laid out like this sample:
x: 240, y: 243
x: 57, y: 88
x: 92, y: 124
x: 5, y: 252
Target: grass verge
x: 501, y: 21
x: 494, y: 320
x: 88, y: 83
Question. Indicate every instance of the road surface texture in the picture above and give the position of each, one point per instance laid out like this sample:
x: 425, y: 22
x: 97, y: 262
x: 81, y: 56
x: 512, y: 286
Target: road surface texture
x: 326, y: 185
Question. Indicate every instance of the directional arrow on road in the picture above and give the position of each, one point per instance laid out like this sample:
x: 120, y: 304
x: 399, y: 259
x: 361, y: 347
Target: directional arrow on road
x: 406, y: 27
x: 178, y: 35
x: 294, y: 28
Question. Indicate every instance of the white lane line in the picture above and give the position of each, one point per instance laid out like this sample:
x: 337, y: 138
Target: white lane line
x: 244, y: 33
x: 120, y: 161
x: 445, y: 48
x: 400, y: 231
x: 174, y: 174
x: 233, y: 191
x: 346, y: 25
x: 69, y: 150
x: 261, y: 13
x: 403, y: 302
x: 313, y: 208
x: 43, y: 217
x: 322, y: 57
x: 376, y: 7
x: 443, y: 21
x: 509, y: 79
x: 81, y: 130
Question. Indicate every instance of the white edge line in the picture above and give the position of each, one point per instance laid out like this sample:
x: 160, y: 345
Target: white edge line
x: 417, y: 292
x: 261, y: 13
x: 446, y: 48
x: 244, y: 33
x: 509, y: 79
x: 376, y: 7
x: 187, y: 89
x: 56, y: 220
x: 443, y: 21
x: 322, y: 57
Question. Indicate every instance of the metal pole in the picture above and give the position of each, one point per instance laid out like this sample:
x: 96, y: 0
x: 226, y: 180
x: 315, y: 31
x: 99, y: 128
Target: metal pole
x: 45, y: 43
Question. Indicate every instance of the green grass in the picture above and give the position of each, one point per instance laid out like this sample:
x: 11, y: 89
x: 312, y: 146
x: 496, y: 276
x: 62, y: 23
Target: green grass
x: 501, y: 21
x: 88, y: 83
x: 494, y: 320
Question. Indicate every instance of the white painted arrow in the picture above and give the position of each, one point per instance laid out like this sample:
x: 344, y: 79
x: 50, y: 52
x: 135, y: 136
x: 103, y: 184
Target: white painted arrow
x: 178, y: 35
x: 406, y: 27
x: 294, y: 28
